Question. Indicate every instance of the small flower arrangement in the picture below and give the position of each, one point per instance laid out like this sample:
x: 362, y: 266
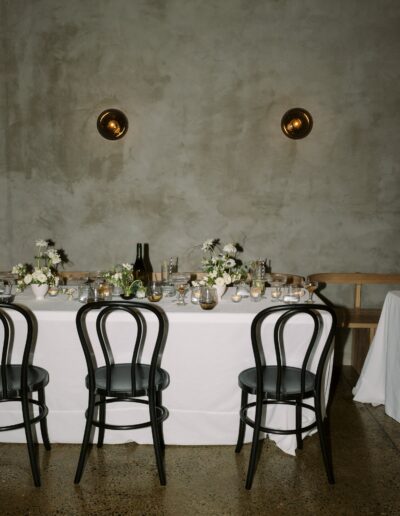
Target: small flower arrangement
x: 44, y: 271
x: 123, y: 276
x: 221, y: 263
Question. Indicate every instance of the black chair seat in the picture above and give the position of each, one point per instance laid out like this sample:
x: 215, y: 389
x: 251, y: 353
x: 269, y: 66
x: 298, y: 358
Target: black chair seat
x: 121, y: 380
x: 290, y: 381
x: 37, y: 377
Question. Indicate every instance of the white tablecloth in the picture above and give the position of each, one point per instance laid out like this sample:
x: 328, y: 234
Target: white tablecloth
x: 205, y: 352
x: 379, y: 382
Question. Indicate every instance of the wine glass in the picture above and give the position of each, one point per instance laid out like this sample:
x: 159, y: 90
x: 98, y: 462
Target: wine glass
x: 181, y: 280
x: 311, y: 287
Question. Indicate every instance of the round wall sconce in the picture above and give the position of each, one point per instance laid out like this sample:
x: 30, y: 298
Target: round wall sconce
x: 296, y: 123
x: 112, y: 124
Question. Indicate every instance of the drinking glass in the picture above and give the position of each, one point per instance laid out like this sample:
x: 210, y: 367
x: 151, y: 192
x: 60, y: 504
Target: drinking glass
x: 311, y: 287
x: 208, y: 298
x: 195, y: 295
x: 154, y: 292
x: 180, y: 280
x: 255, y: 292
x: 277, y: 282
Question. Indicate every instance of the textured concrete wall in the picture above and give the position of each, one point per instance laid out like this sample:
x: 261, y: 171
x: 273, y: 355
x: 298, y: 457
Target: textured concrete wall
x: 204, y: 85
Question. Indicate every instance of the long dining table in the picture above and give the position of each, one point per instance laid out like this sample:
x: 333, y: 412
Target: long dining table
x: 204, y: 354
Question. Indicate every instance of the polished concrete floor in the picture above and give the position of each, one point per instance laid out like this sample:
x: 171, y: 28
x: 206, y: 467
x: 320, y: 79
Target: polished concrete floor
x: 122, y: 479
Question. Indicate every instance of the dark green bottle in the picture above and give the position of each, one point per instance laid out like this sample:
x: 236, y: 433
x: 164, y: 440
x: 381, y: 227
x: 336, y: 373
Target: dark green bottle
x: 138, y: 266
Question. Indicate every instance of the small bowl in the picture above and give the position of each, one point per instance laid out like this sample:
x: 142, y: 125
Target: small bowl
x: 7, y: 298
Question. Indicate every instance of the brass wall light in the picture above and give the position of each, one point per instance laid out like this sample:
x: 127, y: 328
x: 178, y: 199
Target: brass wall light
x: 112, y: 124
x: 296, y: 123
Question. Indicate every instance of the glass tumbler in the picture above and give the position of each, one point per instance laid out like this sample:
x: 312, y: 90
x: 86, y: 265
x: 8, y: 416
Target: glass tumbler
x: 208, y: 298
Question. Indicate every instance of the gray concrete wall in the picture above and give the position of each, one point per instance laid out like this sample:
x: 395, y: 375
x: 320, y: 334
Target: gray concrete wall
x: 204, y: 85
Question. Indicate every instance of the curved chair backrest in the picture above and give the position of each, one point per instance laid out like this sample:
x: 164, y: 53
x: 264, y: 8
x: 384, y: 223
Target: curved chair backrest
x: 285, y: 314
x: 6, y: 320
x: 135, y: 309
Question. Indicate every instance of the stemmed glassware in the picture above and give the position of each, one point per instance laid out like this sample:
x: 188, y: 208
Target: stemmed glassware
x: 311, y: 287
x: 181, y: 282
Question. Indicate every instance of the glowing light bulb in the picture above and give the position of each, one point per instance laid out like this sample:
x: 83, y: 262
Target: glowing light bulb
x: 296, y: 123
x: 113, y: 126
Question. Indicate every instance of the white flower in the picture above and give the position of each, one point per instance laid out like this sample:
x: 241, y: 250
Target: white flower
x: 230, y: 263
x: 227, y: 278
x: 220, y: 282
x: 28, y: 279
x: 229, y: 249
x: 39, y: 276
x: 53, y: 256
x: 208, y: 245
x: 213, y: 274
x: 127, y: 266
x: 41, y: 243
x: 17, y: 269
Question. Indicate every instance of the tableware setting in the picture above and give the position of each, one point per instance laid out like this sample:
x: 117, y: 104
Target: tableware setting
x: 231, y: 280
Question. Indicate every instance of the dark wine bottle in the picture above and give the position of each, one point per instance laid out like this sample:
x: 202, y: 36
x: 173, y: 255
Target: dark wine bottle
x: 147, y: 263
x: 138, y: 266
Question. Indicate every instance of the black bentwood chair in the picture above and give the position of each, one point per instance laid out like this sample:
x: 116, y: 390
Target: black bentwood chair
x: 19, y: 381
x: 284, y: 383
x: 127, y: 382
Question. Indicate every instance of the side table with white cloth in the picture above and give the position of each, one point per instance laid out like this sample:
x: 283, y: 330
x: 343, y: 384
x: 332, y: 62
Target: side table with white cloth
x: 204, y: 354
x: 379, y: 381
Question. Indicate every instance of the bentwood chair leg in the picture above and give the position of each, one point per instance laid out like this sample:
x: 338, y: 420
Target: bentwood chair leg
x: 323, y: 442
x: 29, y: 441
x: 255, y: 444
x: 299, y: 437
x: 160, y: 425
x: 156, y: 439
x: 43, y: 422
x: 86, y: 438
x: 242, y: 424
x: 102, y: 421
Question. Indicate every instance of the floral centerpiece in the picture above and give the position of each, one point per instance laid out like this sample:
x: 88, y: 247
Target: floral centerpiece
x: 221, y: 263
x: 123, y: 277
x: 44, y: 271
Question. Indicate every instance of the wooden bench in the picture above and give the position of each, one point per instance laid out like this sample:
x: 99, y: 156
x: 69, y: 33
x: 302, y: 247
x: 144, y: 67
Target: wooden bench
x: 363, y: 321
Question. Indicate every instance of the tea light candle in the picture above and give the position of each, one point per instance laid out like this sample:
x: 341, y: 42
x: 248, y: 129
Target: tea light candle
x: 141, y: 294
x: 255, y: 293
x: 236, y: 298
x: 53, y: 291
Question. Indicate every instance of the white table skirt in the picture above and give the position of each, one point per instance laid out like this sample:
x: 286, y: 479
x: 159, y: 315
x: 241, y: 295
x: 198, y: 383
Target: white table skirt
x: 204, y: 354
x: 379, y: 382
